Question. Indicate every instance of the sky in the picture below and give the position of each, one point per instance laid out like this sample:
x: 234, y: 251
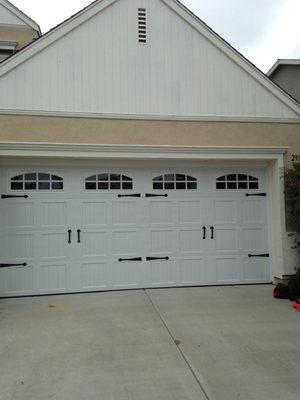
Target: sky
x: 262, y: 30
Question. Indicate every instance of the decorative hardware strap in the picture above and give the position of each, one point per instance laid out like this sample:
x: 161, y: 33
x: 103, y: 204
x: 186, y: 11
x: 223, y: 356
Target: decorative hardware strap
x: 13, y: 265
x: 10, y: 196
x: 266, y: 255
x: 256, y: 194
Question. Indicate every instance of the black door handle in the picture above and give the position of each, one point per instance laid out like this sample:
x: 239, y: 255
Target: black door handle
x: 130, y: 195
x: 212, y: 230
x: 157, y: 258
x: 204, y: 232
x: 13, y: 265
x: 156, y: 195
x: 69, y: 236
x: 10, y: 196
x: 131, y: 259
x: 78, y: 235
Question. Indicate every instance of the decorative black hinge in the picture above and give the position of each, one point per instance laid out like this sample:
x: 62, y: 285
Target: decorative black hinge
x: 256, y: 194
x: 10, y: 196
x: 157, y: 258
x: 130, y: 195
x: 266, y: 255
x: 13, y: 265
x: 155, y: 195
x: 130, y: 259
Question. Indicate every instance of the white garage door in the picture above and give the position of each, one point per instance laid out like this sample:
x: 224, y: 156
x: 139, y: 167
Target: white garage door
x: 88, y: 229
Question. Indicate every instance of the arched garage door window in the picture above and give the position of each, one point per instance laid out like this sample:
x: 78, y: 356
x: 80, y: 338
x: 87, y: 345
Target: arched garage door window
x: 237, y: 181
x: 36, y: 181
x: 174, y: 182
x: 108, y: 181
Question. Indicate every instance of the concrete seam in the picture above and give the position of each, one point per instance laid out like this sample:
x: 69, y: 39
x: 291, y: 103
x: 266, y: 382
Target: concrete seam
x: 193, y: 372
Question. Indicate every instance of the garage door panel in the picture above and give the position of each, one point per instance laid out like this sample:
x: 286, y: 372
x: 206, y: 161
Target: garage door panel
x: 107, y: 224
x: 225, y: 211
x: 52, y: 277
x: 128, y: 274
x: 255, y: 269
x: 190, y: 212
x: 162, y: 241
x: 19, y: 215
x: 192, y: 271
x: 164, y: 273
x: 126, y: 242
x: 162, y: 212
x: 53, y: 214
x: 18, y: 280
x: 94, y: 275
x: 18, y: 246
x: 94, y: 213
x: 94, y: 244
x: 254, y: 239
x: 226, y: 239
x: 53, y: 245
x: 191, y: 241
x: 125, y: 213
x: 227, y: 269
x: 253, y: 211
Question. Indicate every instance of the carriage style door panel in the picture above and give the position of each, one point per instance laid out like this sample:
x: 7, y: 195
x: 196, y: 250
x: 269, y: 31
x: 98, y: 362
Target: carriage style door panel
x: 239, y: 249
x: 36, y: 216
x: 78, y: 229
x: 111, y: 236
x: 175, y: 228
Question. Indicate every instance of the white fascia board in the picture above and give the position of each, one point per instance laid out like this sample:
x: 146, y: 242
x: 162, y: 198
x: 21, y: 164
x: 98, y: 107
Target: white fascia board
x: 283, y: 61
x: 150, y: 117
x: 137, y: 152
x: 23, y: 17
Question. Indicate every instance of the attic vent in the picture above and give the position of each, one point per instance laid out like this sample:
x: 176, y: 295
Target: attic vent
x: 142, y: 25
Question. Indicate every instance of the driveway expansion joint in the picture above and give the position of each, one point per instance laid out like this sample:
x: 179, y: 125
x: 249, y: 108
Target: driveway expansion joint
x: 177, y: 344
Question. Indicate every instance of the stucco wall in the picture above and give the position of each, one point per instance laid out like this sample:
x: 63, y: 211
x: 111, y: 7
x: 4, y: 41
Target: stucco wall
x: 152, y: 132
x: 288, y: 77
x: 23, y: 35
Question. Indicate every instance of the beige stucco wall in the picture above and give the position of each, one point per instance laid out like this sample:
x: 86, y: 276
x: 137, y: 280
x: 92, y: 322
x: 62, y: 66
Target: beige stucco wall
x: 23, y: 35
x: 151, y: 132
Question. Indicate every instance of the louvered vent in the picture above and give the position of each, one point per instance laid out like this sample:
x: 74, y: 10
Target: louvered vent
x: 142, y: 25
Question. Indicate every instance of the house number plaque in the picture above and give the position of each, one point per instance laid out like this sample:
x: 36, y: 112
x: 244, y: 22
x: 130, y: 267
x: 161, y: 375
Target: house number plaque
x: 295, y: 157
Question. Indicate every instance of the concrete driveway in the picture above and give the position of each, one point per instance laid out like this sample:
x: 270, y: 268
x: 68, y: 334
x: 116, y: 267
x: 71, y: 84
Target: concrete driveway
x: 223, y: 343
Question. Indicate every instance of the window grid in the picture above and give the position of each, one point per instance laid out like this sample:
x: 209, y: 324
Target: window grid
x: 174, y: 182
x: 108, y: 182
x: 237, y: 182
x: 36, y: 181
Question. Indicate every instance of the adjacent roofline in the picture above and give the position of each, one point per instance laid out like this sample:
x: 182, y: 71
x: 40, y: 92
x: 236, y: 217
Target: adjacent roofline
x: 22, y: 16
x: 9, y: 45
x: 99, y: 5
x: 283, y: 61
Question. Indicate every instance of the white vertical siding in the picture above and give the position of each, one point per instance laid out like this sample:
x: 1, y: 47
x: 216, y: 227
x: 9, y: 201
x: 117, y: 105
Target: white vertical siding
x: 8, y: 18
x: 99, y: 67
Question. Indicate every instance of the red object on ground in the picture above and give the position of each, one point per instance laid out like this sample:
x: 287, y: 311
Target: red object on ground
x: 296, y: 305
